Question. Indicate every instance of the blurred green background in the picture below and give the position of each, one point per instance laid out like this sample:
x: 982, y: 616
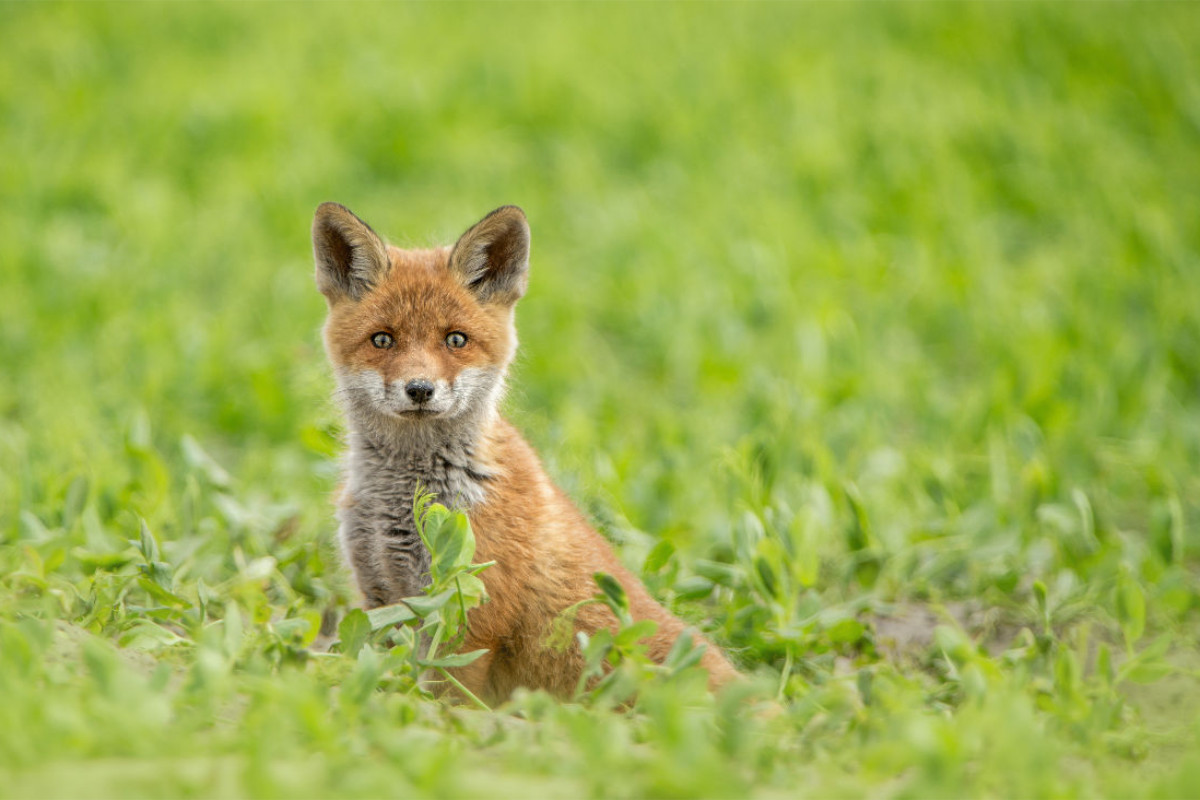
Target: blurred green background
x: 885, y: 317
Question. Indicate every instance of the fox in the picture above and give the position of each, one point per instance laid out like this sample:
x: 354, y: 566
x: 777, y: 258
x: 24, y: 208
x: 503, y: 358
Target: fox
x: 420, y: 342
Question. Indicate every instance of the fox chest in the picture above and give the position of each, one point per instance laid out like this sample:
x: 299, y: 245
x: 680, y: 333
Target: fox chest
x: 378, y: 534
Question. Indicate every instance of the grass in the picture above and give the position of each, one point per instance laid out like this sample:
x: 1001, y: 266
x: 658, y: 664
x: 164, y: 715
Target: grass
x: 883, y: 318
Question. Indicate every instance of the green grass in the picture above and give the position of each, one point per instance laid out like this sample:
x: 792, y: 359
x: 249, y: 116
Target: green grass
x: 885, y: 317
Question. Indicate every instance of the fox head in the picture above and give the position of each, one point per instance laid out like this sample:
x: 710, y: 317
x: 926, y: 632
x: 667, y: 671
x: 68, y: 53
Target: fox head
x: 420, y: 337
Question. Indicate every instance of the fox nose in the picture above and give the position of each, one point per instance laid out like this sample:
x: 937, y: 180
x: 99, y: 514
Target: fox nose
x: 419, y: 390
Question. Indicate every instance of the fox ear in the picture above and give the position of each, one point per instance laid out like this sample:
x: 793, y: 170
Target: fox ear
x: 492, y: 258
x: 350, y: 256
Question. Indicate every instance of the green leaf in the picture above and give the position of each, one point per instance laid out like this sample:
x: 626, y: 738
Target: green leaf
x: 1148, y: 672
x: 858, y: 534
x: 868, y: 568
x: 613, y: 594
x: 695, y: 587
x: 77, y: 494
x: 361, y: 683
x: 104, y: 561
x: 292, y: 628
x: 1148, y: 665
x: 685, y: 652
x: 429, y: 522
x: 806, y: 564
x: 145, y: 635
x: 424, y: 606
x: 846, y: 631
x: 448, y: 537
x: 204, y: 596
x: 33, y: 529
x: 460, y: 549
x: 658, y: 557
x: 451, y: 661
x: 1042, y: 602
x: 159, y: 573
x: 203, y: 463
x: 953, y: 643
x: 471, y: 588
x: 632, y: 634
x: 161, y: 594
x: 723, y: 574
x: 766, y: 574
x: 1131, y: 608
x: 595, y: 649
x: 147, y: 543
x: 386, y: 616
x: 354, y: 630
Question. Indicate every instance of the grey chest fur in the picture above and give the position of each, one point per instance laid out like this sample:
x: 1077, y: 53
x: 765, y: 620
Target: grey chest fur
x: 377, y: 531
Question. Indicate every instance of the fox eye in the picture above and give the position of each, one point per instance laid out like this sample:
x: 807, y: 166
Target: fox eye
x: 456, y: 339
x: 382, y: 340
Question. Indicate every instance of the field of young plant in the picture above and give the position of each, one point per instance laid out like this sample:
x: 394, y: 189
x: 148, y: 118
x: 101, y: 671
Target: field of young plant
x: 868, y: 334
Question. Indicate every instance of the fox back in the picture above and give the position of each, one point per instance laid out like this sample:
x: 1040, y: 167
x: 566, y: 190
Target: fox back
x: 420, y: 342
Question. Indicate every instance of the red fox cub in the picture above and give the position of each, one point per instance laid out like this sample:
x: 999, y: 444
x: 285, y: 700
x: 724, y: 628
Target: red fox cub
x: 420, y: 341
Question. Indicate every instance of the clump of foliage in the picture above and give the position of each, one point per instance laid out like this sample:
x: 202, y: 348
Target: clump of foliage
x: 424, y: 633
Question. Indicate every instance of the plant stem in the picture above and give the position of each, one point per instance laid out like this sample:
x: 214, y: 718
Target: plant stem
x: 463, y: 689
x: 435, y: 642
x: 787, y: 673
